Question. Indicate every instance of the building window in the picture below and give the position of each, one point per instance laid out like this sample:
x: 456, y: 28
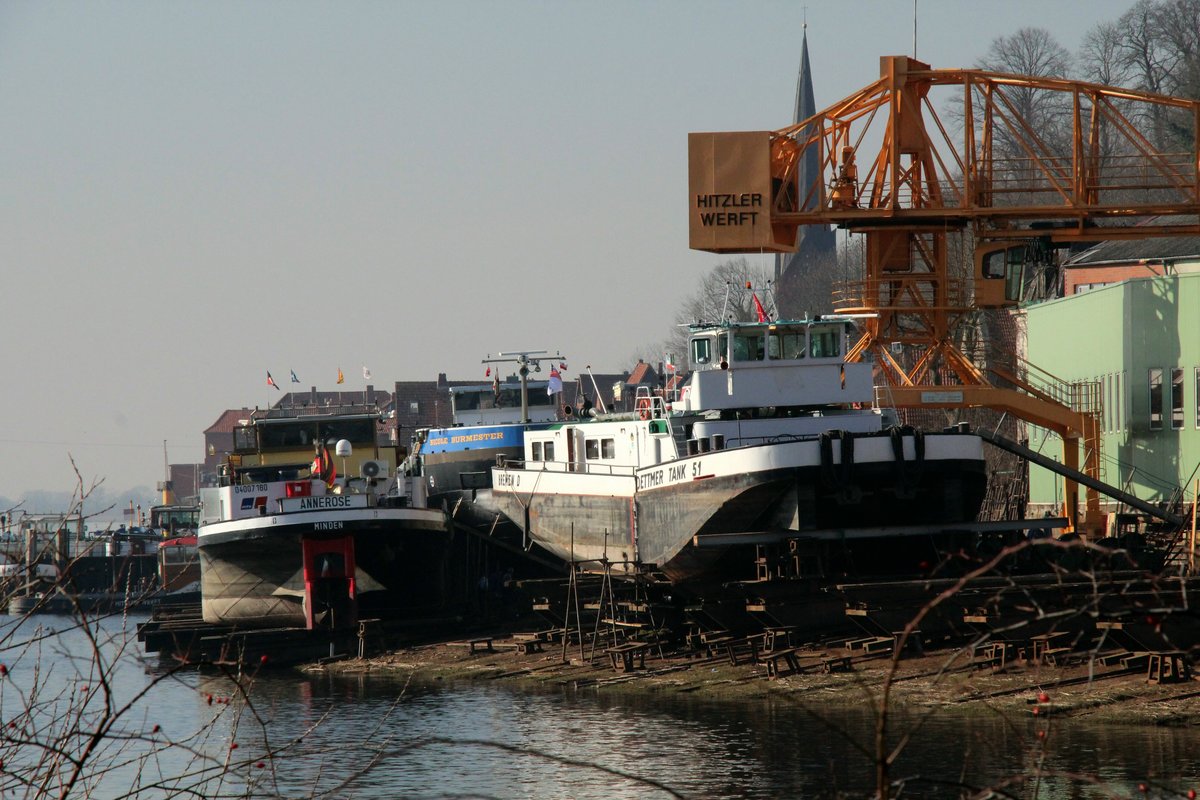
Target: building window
x: 608, y: 448
x: 1120, y: 401
x: 1106, y: 399
x: 414, y: 407
x: 591, y: 449
x: 1176, y: 399
x: 535, y: 451
x: 1156, y: 399
x: 1198, y: 397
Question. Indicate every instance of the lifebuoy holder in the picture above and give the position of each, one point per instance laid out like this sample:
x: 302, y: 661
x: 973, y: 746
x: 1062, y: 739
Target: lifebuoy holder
x: 643, y: 407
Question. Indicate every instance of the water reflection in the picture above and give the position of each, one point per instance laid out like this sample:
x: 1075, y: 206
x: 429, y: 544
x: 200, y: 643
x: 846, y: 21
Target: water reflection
x: 695, y: 747
x: 366, y: 736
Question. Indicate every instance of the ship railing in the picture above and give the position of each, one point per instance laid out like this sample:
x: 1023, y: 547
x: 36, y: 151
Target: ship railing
x: 591, y: 468
x: 725, y: 442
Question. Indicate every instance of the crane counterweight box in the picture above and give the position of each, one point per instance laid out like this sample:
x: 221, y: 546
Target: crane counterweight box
x: 731, y: 194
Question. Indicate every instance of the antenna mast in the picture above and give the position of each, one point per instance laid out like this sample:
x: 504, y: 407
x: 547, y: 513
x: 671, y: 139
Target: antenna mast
x: 914, y: 28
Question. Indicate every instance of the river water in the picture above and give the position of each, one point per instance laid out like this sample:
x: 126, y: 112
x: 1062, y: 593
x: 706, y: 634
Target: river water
x: 303, y: 735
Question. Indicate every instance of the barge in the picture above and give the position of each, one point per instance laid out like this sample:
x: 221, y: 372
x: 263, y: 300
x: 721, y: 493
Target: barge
x: 774, y: 430
x: 311, y: 526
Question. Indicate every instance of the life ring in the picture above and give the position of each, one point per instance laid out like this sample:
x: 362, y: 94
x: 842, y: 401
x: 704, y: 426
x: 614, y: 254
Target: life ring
x: 643, y: 407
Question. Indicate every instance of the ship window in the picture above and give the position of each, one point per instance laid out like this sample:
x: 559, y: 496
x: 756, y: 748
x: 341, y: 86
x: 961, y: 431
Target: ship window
x: 357, y: 431
x: 1156, y: 399
x: 535, y: 451
x: 244, y: 439
x: 466, y: 401
x: 823, y: 343
x: 701, y: 351
x: 748, y: 347
x: 591, y: 449
x: 1176, y: 399
x: 286, y: 436
x: 608, y: 448
x: 787, y: 345
x: 549, y: 451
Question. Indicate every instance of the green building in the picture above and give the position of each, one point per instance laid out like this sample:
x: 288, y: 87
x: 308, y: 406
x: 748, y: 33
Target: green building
x: 1139, y: 341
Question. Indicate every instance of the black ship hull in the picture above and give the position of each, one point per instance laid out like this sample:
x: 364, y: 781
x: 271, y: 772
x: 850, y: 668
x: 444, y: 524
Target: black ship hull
x: 332, y: 568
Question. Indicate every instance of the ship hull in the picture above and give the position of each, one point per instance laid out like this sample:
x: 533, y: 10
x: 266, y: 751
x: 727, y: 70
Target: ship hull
x: 649, y: 518
x: 458, y: 462
x: 331, y: 568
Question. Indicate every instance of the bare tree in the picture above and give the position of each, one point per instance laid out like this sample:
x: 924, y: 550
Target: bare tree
x: 1029, y: 51
x: 1099, y: 59
x: 69, y: 727
x: 1036, y: 53
x: 725, y: 293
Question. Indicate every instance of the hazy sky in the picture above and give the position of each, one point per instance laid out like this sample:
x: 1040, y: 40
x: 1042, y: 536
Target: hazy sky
x: 195, y: 193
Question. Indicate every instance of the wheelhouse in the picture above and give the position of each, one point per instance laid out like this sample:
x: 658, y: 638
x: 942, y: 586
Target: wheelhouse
x: 723, y: 346
x: 500, y: 403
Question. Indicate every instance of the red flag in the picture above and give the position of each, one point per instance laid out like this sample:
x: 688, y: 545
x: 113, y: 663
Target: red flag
x: 562, y: 365
x: 487, y: 373
x: 271, y: 382
x: 762, y: 314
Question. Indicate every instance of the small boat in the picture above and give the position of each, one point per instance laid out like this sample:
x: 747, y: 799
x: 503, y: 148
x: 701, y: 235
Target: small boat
x: 178, y: 558
x: 773, y: 432
x: 171, y: 520
x: 178, y: 567
x: 312, y: 527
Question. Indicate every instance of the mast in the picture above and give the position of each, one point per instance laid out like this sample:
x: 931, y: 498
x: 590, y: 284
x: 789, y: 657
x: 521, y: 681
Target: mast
x: 524, y: 359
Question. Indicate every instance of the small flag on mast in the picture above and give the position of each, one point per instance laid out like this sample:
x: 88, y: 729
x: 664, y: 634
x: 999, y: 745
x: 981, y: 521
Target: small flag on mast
x: 366, y: 373
x: 294, y: 378
x: 554, y: 386
x: 341, y: 377
x: 271, y: 382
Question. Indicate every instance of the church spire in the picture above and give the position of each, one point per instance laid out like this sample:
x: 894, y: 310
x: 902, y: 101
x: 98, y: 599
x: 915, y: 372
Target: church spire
x: 813, y: 241
x: 806, y: 106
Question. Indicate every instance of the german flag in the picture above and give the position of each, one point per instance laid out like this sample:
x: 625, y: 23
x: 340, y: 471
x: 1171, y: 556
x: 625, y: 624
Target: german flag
x: 323, y: 467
